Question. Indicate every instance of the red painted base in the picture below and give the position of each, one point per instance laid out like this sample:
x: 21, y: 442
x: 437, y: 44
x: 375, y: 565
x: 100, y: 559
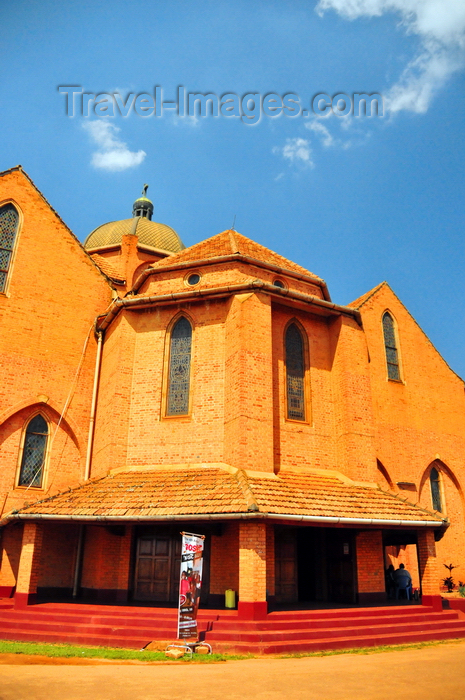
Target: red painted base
x: 433, y: 601
x: 252, y: 611
x: 7, y: 591
x: 22, y: 600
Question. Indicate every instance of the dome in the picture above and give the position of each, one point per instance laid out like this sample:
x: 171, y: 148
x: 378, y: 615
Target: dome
x: 150, y: 233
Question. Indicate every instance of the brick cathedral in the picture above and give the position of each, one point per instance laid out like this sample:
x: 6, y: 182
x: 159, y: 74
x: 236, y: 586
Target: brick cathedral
x: 148, y: 388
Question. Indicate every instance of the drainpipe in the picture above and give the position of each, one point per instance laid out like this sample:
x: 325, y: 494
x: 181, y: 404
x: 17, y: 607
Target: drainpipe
x: 93, y: 406
x: 78, y: 564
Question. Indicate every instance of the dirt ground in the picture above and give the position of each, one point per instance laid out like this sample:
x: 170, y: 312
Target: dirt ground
x: 431, y: 673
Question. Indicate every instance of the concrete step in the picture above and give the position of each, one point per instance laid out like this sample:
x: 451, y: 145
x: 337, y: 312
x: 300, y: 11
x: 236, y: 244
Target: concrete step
x: 339, y: 643
x: 323, y: 623
x: 267, y: 637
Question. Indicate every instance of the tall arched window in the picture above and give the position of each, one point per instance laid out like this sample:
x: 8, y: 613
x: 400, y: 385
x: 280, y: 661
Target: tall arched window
x: 34, y: 451
x: 8, y: 227
x: 295, y: 373
x: 435, y: 483
x: 179, y: 369
x: 392, y: 355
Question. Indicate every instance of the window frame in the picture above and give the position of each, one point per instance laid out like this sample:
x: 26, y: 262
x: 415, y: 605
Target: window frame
x: 45, y: 458
x: 166, y: 379
x: 398, y: 380
x: 9, y: 271
x: 440, y: 492
x: 306, y: 375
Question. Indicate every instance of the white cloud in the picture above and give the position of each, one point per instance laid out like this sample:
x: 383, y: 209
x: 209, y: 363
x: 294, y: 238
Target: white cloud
x: 112, y: 154
x: 296, y: 151
x: 440, y: 26
x: 321, y: 131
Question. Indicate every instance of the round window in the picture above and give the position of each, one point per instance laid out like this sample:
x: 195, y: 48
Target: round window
x: 278, y: 283
x: 193, y: 279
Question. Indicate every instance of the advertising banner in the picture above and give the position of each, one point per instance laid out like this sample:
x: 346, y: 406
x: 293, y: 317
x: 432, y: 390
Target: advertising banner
x: 190, y: 584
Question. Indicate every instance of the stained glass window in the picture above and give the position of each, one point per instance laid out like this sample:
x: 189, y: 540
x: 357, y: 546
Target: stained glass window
x: 392, y: 356
x: 35, y: 444
x: 295, y: 373
x: 8, y: 227
x: 435, y: 489
x: 179, y: 369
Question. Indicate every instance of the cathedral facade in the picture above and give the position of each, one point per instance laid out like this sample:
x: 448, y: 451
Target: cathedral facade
x: 150, y: 389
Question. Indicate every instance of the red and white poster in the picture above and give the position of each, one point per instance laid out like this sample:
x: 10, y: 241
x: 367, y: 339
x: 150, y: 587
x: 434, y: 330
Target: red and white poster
x: 190, y: 584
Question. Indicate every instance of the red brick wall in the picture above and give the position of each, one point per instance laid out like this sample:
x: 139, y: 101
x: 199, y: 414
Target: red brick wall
x: 54, y: 294
x: 58, y: 556
x: 252, y: 561
x: 106, y: 559
x: 224, y: 560
x: 370, y: 561
x: 10, y: 552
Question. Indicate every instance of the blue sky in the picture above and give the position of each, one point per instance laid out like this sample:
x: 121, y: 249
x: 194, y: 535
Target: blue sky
x: 354, y: 199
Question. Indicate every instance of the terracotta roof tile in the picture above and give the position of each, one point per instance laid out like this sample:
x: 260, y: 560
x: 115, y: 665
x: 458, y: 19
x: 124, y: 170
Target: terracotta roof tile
x: 209, y: 490
x: 229, y: 243
x: 107, y: 268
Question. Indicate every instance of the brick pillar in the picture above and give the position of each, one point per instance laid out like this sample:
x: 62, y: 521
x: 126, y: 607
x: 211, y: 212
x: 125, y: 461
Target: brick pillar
x: 28, y: 573
x: 124, y: 571
x: 248, y: 436
x: 370, y: 567
x: 429, y: 573
x: 252, y: 570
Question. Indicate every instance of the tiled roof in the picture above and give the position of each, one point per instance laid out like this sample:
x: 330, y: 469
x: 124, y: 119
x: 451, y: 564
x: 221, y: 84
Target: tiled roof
x: 214, y: 490
x: 364, y: 298
x: 107, y: 268
x: 317, y: 495
x: 230, y: 243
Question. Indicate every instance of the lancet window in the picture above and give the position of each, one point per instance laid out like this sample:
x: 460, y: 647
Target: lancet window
x: 295, y: 373
x: 390, y: 344
x: 179, y: 369
x: 8, y: 227
x: 34, y: 452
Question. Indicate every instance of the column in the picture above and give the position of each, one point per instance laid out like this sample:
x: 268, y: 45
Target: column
x: 28, y: 573
x: 429, y: 573
x: 252, y: 570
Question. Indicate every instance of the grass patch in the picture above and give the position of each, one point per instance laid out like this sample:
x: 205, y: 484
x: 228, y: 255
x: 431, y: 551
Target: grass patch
x: 71, y: 651
x: 372, y: 650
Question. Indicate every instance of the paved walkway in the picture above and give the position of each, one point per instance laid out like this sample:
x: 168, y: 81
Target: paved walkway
x: 432, y: 673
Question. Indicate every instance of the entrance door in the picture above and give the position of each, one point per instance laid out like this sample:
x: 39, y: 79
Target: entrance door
x: 341, y: 570
x: 286, y: 566
x: 157, y: 568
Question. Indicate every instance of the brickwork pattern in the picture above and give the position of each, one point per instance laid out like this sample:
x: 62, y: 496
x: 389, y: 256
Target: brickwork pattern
x: 224, y: 560
x: 370, y: 561
x: 252, y: 561
x: 429, y: 571
x: 29, y: 564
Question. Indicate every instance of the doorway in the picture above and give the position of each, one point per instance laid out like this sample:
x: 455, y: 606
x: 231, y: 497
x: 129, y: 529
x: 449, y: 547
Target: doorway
x: 158, y: 559
x: 315, y: 564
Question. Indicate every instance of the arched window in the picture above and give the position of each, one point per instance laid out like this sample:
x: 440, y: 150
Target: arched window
x: 295, y: 373
x: 8, y: 227
x: 34, y: 451
x: 435, y: 483
x: 392, y: 355
x: 179, y: 369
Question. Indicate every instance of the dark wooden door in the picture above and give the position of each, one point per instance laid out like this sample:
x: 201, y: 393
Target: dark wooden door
x: 286, y: 566
x: 157, y: 568
x: 341, y: 568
